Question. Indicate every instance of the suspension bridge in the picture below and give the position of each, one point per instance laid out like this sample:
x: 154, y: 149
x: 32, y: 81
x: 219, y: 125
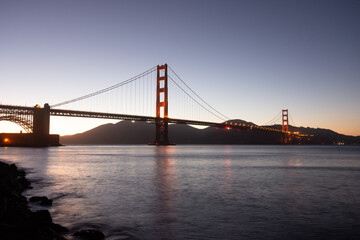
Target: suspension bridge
x: 144, y: 97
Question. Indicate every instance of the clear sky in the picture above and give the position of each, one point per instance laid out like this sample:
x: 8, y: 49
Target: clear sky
x: 248, y: 59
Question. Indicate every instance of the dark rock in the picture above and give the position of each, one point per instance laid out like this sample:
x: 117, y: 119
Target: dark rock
x: 37, y: 199
x: 23, y: 183
x: 13, y: 168
x: 21, y: 173
x: 17, y: 222
x: 89, y: 234
x: 42, y: 217
x: 44, y: 201
x: 58, y: 228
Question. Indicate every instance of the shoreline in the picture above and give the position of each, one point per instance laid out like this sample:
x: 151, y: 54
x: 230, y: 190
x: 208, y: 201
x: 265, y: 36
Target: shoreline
x: 18, y: 222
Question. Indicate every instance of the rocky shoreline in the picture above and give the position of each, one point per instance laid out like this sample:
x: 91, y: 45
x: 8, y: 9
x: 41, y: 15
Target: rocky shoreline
x: 18, y: 222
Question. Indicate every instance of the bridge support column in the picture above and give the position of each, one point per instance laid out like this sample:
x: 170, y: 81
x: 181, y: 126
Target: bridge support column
x: 41, y: 127
x: 285, y: 126
x: 161, y: 123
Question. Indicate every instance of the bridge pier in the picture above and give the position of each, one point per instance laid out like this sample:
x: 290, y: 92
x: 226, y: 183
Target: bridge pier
x: 162, y: 136
x: 41, y: 128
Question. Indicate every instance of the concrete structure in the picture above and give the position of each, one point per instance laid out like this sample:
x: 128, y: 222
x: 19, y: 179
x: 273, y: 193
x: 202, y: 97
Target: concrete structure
x: 27, y: 140
x: 35, y: 121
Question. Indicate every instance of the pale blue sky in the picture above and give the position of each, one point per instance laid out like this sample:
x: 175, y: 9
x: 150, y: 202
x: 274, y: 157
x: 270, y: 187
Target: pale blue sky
x: 249, y: 59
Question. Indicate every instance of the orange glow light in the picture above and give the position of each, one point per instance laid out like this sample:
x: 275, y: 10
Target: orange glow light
x: 6, y: 140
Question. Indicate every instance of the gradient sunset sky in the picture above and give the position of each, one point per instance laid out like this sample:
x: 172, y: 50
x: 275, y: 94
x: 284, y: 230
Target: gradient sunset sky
x: 248, y: 59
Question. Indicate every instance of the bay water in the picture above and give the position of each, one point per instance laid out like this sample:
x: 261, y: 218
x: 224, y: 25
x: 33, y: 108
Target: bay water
x: 198, y: 191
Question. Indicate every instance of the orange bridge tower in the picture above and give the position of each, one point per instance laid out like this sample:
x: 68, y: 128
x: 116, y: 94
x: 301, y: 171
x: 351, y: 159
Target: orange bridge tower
x: 285, y: 120
x: 285, y: 126
x: 162, y: 106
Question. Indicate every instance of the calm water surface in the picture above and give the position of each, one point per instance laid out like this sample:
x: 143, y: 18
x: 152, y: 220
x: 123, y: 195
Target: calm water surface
x: 199, y: 192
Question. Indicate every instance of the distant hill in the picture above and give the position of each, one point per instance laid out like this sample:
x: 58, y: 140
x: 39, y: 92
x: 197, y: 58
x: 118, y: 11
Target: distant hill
x: 126, y: 132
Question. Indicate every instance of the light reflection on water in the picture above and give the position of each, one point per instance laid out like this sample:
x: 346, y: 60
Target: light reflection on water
x: 199, y: 192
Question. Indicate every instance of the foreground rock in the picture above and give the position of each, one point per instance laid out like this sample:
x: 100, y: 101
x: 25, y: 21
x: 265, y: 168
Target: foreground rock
x: 89, y: 234
x: 17, y: 222
x: 43, y: 201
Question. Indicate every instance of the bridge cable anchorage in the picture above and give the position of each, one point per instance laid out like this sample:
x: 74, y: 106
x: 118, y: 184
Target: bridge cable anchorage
x: 274, y: 120
x: 106, y: 89
x: 225, y: 118
x: 195, y: 99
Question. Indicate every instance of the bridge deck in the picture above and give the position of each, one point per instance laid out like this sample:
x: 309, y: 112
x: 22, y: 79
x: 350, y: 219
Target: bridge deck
x: 6, y: 109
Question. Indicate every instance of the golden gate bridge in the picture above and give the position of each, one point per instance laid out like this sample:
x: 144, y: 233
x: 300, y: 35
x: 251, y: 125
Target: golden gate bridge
x: 144, y: 97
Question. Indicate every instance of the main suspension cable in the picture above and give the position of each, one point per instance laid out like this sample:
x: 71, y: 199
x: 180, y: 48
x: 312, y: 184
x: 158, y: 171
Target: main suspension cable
x: 195, y: 99
x: 223, y: 116
x: 292, y: 120
x: 272, y: 120
x: 106, y: 89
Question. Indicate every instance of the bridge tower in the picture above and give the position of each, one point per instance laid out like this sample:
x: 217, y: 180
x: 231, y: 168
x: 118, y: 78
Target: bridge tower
x: 285, y: 120
x: 285, y: 125
x: 162, y: 106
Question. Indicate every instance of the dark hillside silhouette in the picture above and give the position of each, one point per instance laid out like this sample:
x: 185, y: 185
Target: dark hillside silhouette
x: 126, y: 132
